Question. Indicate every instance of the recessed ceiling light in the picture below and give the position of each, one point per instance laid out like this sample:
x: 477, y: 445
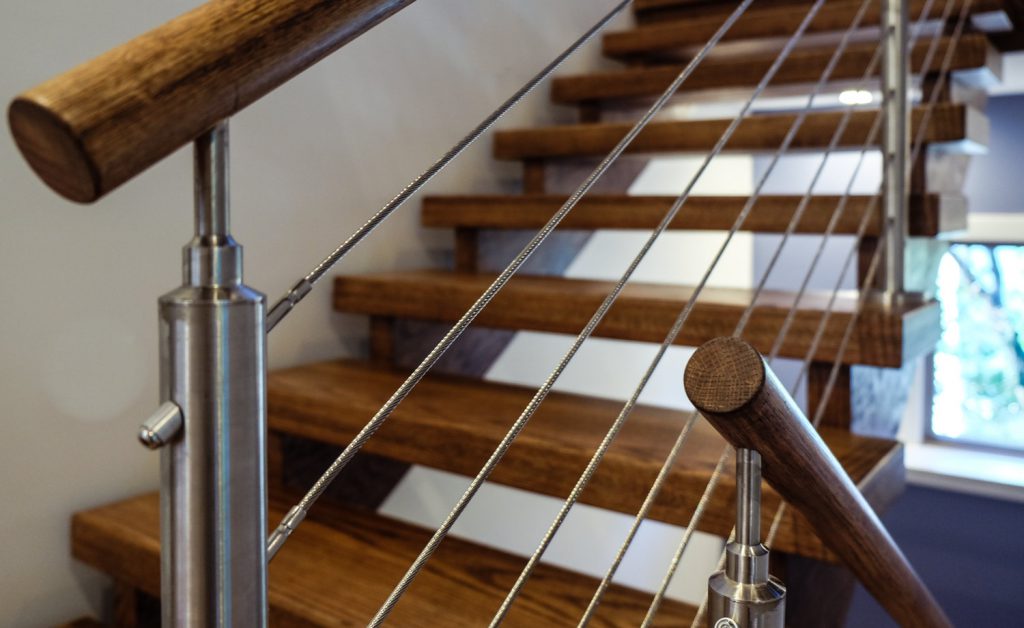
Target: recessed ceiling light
x: 855, y: 97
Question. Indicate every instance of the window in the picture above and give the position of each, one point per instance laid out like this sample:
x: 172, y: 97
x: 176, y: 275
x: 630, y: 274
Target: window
x: 979, y: 363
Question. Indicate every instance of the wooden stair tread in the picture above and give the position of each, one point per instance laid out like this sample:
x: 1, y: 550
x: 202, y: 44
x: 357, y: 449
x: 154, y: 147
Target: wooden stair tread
x: 928, y: 215
x: 339, y: 574
x: 949, y: 123
x: 803, y: 66
x: 82, y: 622
x: 454, y: 423
x: 885, y: 335
x: 757, y: 23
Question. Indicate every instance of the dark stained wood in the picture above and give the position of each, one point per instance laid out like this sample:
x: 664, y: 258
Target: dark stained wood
x: 534, y: 176
x: 949, y: 123
x: 84, y: 622
x: 803, y: 66
x: 885, y: 335
x: 728, y: 381
x: 454, y: 423
x: 467, y: 249
x: 590, y: 112
x: 867, y: 249
x: 929, y: 215
x: 473, y: 354
x: 339, y: 575
x: 1009, y: 41
x: 817, y: 593
x: 275, y: 460
x: 771, y: 21
x: 934, y: 89
x: 649, y: 11
x: 125, y: 606
x: 382, y: 339
x: 91, y: 129
x: 364, y: 484
x: 838, y: 412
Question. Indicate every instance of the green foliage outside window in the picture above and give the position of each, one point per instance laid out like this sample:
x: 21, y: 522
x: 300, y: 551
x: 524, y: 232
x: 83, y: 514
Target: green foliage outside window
x: 979, y: 364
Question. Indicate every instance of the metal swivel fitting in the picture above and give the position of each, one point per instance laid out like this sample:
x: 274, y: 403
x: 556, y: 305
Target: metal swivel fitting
x: 744, y: 595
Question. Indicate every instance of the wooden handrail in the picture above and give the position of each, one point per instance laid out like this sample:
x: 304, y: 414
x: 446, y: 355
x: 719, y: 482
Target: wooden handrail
x: 730, y: 384
x: 91, y: 129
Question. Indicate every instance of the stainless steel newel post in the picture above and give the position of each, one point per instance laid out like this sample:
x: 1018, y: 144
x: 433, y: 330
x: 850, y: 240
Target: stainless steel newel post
x: 744, y: 595
x: 896, y: 141
x: 213, y: 467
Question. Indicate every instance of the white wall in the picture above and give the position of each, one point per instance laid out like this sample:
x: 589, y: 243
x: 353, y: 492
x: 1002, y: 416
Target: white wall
x: 311, y: 161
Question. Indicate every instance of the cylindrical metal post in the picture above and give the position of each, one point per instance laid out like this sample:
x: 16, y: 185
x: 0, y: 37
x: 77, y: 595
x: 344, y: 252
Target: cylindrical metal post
x: 745, y: 595
x: 732, y: 387
x: 213, y: 493
x: 896, y: 141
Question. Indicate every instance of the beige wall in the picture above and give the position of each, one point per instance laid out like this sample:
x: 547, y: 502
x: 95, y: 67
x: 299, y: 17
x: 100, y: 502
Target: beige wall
x: 79, y: 284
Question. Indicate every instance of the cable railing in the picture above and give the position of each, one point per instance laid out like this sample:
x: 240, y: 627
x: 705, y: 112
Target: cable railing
x: 874, y: 264
x: 101, y: 160
x: 298, y: 512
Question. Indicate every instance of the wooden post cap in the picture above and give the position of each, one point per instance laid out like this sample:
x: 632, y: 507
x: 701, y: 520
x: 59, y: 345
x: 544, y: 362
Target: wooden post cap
x: 724, y: 375
x: 53, y: 151
x: 732, y: 387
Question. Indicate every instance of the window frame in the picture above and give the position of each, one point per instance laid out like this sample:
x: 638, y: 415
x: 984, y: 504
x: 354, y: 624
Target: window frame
x: 987, y: 229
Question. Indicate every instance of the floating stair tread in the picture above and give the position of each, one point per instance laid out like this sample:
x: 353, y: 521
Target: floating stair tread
x: 454, y: 423
x: 84, y: 622
x: 949, y: 123
x: 803, y: 66
x: 928, y: 215
x: 757, y: 23
x: 886, y: 335
x: 338, y: 575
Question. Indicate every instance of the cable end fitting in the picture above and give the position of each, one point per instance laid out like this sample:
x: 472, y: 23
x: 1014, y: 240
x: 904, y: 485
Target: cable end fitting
x: 284, y: 530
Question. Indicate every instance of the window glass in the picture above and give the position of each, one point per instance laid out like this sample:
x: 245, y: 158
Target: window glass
x: 979, y: 363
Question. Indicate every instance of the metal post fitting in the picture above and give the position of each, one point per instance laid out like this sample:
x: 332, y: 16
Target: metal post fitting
x: 745, y: 595
x: 161, y: 426
x: 213, y: 497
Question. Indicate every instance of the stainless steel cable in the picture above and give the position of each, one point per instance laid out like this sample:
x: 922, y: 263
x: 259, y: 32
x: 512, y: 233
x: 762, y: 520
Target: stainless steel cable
x: 613, y: 430
x: 545, y: 388
x: 822, y: 325
x: 645, y: 508
x: 869, y: 275
x: 298, y: 512
x: 872, y: 270
x: 727, y: 451
x: 744, y: 320
x: 303, y: 287
x: 656, y: 487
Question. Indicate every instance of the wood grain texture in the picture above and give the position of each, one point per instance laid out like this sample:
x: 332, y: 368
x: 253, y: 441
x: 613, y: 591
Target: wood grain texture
x: 648, y: 11
x: 339, y: 575
x: 454, y: 423
x: 467, y: 250
x: 125, y: 607
x: 728, y: 381
x: 949, y: 123
x: 83, y: 622
x: 767, y: 22
x: 817, y: 594
x: 928, y: 216
x: 91, y: 129
x: 884, y: 336
x: 803, y: 66
x: 838, y: 410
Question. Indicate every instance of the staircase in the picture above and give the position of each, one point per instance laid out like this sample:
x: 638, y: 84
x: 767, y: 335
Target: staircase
x: 344, y: 561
